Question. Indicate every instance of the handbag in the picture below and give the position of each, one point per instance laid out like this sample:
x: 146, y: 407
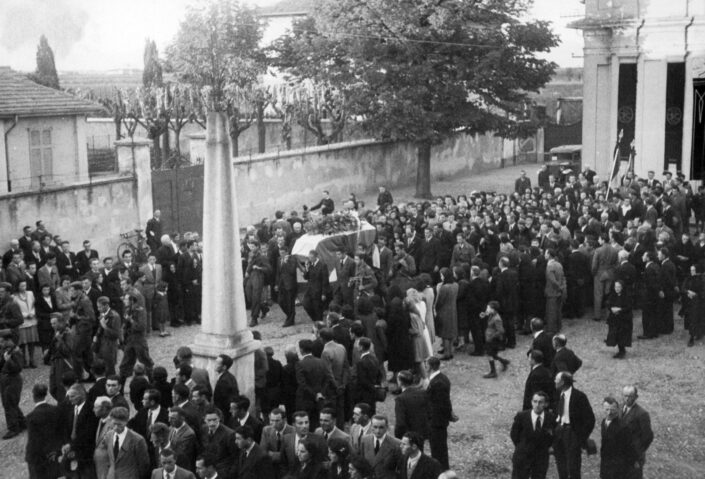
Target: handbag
x: 380, y: 393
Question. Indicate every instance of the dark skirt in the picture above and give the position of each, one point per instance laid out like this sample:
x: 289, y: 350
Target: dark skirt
x: 620, y: 329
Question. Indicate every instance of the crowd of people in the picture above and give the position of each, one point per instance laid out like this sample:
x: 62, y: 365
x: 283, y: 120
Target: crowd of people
x: 456, y: 274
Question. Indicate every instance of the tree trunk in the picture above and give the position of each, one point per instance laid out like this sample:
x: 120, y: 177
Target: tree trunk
x: 118, y: 128
x: 423, y: 170
x: 177, y: 141
x: 165, y: 147
x: 261, y: 131
x: 234, y: 144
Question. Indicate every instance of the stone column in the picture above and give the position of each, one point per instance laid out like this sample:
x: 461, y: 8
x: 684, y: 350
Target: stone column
x: 224, y: 318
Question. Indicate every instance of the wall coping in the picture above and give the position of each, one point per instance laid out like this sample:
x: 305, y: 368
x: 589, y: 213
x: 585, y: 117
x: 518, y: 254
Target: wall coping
x: 58, y: 189
x: 258, y: 158
x: 135, y: 142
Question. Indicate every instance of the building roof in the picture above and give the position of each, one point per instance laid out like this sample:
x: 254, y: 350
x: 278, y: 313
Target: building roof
x: 22, y: 97
x: 288, y: 8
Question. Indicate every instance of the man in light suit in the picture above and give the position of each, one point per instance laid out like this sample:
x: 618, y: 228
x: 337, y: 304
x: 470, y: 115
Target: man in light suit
x: 328, y: 429
x: 169, y: 469
x: 182, y: 439
x: 127, y: 450
x: 151, y: 274
x: 637, y: 420
x: 380, y: 449
x: 604, y: 262
x: 361, y: 425
x: 101, y: 408
x: 49, y: 273
x: 555, y: 292
x: 414, y: 464
x: 253, y: 462
x: 273, y: 436
x: 336, y: 357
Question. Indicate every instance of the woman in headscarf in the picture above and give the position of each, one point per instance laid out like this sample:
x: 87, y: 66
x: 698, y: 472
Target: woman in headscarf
x: 619, y: 320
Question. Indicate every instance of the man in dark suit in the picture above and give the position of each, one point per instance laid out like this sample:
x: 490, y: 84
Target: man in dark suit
x: 366, y: 375
x: 574, y: 424
x: 344, y: 270
x: 638, y: 422
x: 181, y: 397
x: 653, y: 297
x: 539, y: 379
x: 153, y: 231
x: 669, y: 284
x: 380, y: 449
x: 253, y: 461
x: 543, y: 341
x: 617, y: 454
x: 410, y: 408
x: 226, y: 388
x: 386, y: 258
x: 286, y: 285
x: 79, y: 428
x: 83, y: 259
x: 326, y: 204
x: 316, y: 273
x: 532, y: 435
x: 414, y: 464
x: 42, y: 424
x: 314, y: 380
x: 440, y: 411
x: 150, y: 413
x: 66, y: 261
x: 240, y: 416
x: 522, y: 183
x: 218, y: 441
x: 507, y: 293
x: 577, y: 275
x: 182, y: 439
x: 564, y: 359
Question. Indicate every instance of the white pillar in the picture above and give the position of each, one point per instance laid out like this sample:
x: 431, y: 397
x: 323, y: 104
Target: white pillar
x: 224, y: 318
x: 133, y: 157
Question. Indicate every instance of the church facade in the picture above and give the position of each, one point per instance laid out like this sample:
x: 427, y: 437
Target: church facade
x: 644, y: 76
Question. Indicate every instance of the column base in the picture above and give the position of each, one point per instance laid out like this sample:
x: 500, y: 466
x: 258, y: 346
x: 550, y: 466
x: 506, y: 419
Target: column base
x: 240, y: 346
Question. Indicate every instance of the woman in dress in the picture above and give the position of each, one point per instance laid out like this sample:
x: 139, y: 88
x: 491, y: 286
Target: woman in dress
x: 44, y: 306
x: 447, y: 312
x: 619, y: 320
x: 29, y: 338
x: 339, y: 455
x: 421, y: 350
x: 693, y: 299
x: 426, y: 290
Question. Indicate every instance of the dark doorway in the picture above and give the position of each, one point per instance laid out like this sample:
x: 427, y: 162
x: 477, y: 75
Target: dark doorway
x: 626, y: 107
x: 675, y: 96
x: 698, y: 156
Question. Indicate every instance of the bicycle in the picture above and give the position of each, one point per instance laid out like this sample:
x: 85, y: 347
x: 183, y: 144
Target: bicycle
x: 136, y: 243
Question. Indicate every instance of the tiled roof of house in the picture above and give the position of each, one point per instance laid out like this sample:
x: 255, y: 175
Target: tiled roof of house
x: 21, y: 96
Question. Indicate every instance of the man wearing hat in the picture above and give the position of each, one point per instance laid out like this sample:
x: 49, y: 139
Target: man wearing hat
x: 83, y: 317
x: 11, y: 384
x: 10, y: 313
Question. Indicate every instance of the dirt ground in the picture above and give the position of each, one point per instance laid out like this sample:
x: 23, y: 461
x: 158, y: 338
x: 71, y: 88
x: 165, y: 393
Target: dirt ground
x: 668, y: 374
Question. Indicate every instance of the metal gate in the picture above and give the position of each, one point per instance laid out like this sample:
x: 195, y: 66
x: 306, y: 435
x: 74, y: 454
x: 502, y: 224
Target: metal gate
x: 178, y: 193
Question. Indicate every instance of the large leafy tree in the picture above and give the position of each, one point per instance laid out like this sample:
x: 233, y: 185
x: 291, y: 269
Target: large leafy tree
x: 422, y: 70
x: 45, y: 74
x: 216, y: 49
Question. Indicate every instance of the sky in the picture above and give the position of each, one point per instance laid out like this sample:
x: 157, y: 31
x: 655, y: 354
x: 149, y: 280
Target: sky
x: 96, y: 35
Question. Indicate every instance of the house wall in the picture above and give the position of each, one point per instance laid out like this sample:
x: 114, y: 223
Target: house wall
x: 98, y: 211
x: 70, y: 162
x: 653, y: 33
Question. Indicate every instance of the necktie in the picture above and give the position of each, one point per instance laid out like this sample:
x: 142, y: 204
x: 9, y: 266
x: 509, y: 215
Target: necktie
x: 154, y: 273
x: 75, y: 420
x: 149, y: 419
x: 359, y: 439
x: 409, y: 468
x: 376, y: 446
x: 116, y: 447
x: 538, y: 424
x: 279, y: 441
x: 325, y: 436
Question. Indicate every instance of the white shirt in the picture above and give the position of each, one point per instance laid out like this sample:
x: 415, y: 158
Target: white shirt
x: 411, y: 463
x: 433, y: 375
x: 565, y: 414
x: 155, y: 414
x: 537, y: 333
x: 244, y: 419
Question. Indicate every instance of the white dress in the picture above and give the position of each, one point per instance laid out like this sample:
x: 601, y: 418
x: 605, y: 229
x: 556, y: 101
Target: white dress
x: 421, y: 306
